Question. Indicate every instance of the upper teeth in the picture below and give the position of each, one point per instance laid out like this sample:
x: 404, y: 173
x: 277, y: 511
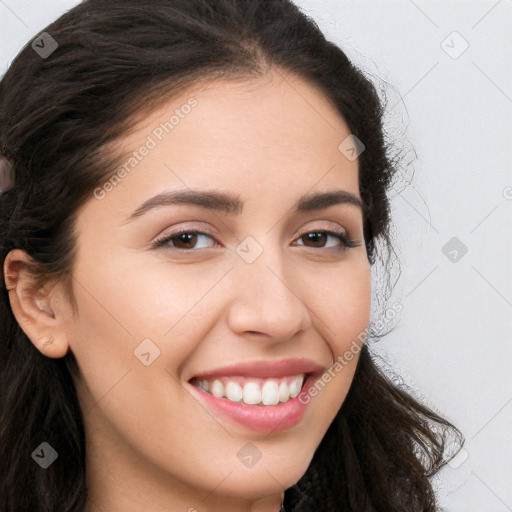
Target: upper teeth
x: 253, y: 391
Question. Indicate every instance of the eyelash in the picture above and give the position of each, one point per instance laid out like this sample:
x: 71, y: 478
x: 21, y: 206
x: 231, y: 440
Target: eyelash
x: 161, y: 242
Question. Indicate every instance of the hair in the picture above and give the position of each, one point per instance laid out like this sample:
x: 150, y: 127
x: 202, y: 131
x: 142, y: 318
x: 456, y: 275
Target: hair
x: 60, y: 117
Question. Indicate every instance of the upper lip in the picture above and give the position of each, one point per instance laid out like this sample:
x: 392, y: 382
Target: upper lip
x: 265, y: 369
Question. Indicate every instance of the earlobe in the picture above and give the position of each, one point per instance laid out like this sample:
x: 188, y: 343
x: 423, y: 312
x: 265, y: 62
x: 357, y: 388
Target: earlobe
x: 50, y: 348
x: 32, y: 308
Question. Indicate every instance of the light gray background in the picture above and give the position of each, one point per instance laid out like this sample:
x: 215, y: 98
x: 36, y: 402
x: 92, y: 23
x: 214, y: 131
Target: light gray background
x: 454, y: 109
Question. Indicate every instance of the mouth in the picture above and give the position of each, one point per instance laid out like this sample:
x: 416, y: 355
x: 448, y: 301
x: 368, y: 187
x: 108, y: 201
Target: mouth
x: 262, y: 396
x: 264, y: 405
x: 253, y: 390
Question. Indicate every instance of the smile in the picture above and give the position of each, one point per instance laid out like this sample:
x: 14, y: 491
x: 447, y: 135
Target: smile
x: 253, y: 391
x: 249, y: 410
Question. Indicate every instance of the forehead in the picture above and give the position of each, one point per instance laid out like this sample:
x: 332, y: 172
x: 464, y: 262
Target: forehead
x: 275, y: 135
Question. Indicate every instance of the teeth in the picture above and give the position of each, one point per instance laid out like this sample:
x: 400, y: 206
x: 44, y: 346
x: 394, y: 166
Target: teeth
x: 217, y: 389
x: 233, y: 391
x: 253, y: 391
x: 270, y: 393
x: 295, y: 388
x: 284, y: 392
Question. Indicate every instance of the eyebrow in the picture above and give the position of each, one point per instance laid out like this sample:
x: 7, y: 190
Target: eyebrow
x: 232, y: 204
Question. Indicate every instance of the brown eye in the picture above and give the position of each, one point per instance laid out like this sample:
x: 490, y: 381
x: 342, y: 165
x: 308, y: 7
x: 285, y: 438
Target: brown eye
x: 188, y: 239
x: 182, y: 240
x: 319, y: 238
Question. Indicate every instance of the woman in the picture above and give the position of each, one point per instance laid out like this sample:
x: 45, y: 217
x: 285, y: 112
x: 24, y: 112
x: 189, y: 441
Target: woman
x: 198, y: 195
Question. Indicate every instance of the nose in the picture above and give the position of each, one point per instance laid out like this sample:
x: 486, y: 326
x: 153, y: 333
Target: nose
x: 267, y: 300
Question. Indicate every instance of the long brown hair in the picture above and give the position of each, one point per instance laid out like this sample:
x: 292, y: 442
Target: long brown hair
x: 110, y: 63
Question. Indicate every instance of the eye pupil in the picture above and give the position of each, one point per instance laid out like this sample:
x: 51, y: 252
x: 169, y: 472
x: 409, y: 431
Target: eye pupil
x: 314, y: 237
x: 186, y: 238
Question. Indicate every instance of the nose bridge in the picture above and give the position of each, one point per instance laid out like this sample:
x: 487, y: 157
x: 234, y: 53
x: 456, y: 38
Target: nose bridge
x: 265, y: 298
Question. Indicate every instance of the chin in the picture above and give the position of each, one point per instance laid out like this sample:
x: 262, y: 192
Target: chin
x: 265, y: 480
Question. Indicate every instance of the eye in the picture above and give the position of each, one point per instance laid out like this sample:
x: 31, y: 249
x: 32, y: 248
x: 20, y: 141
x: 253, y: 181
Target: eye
x: 323, y: 235
x: 188, y: 239
x: 184, y: 239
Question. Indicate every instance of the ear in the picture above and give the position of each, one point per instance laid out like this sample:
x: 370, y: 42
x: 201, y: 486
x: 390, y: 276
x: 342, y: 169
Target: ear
x: 41, y: 313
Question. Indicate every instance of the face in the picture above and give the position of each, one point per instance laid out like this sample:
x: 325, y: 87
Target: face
x: 184, y: 290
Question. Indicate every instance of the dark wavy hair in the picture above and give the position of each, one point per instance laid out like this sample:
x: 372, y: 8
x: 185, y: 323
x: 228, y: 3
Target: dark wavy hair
x: 118, y: 60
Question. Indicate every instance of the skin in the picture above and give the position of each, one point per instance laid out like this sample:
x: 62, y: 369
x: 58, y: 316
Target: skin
x: 270, y: 140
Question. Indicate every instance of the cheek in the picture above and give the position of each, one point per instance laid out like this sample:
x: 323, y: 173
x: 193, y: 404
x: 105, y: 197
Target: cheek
x: 127, y: 310
x: 345, y: 305
x: 344, y: 315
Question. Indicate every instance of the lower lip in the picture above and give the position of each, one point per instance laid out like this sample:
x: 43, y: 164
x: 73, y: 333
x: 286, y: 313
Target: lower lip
x: 260, y: 418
